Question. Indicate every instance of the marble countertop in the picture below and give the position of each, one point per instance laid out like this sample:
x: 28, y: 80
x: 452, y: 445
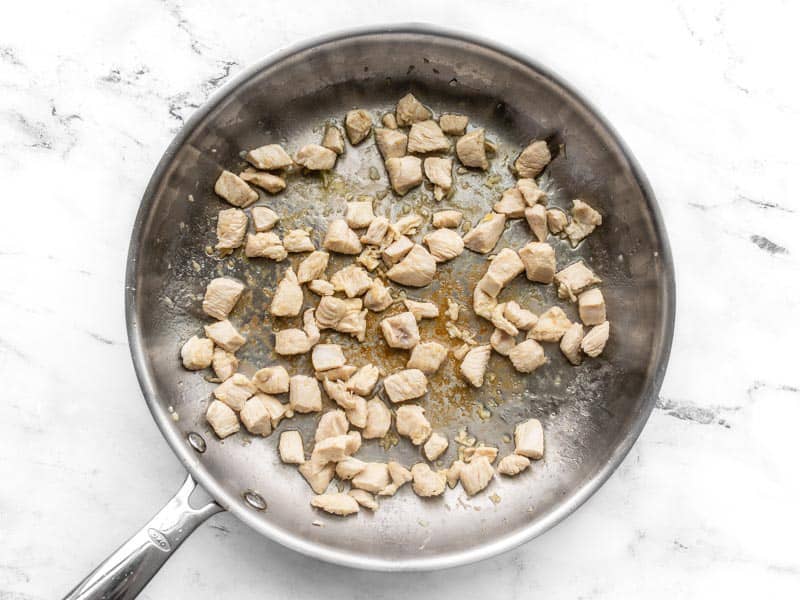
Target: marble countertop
x: 706, y: 503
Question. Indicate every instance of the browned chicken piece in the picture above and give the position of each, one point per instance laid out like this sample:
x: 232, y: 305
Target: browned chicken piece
x: 313, y: 266
x: 235, y: 391
x: 453, y: 309
x: 264, y: 219
x: 327, y: 356
x: 539, y: 259
x: 405, y: 173
x: 400, y: 331
x: 338, y: 392
x: 411, y: 423
x: 318, y: 476
x: 533, y: 159
x: 513, y: 464
x: 454, y: 473
x: 483, y: 237
x: 404, y: 385
x: 369, y: 258
x: 266, y: 181
x: 224, y: 363
x: 321, y: 287
x: 342, y: 373
x: 333, y: 139
x: 364, y: 499
x: 444, y: 244
x: 529, y: 439
x: 288, y: 298
x: 556, y: 220
x: 592, y: 307
x: 531, y: 192
x: 231, y: 227
x: 571, y: 343
x: 337, y: 503
x: 391, y: 143
x: 276, y: 409
x: 222, y: 294
x: 225, y: 335
x: 315, y: 157
x: 473, y: 367
x: 427, y: 357
x: 502, y: 270
x: 574, y: 279
x: 304, y: 394
x: 379, y: 419
x: 265, y: 245
x: 373, y: 478
x: 298, y: 240
x: 340, y: 238
x: 500, y: 322
x: 399, y: 476
x: 289, y: 342
x: 527, y: 356
x: 425, y: 136
x: 389, y: 121
x: 415, y: 270
x: 395, y: 251
x: 594, y: 342
x: 584, y: 221
x: 511, y: 204
x: 502, y: 342
x: 222, y: 419
x: 552, y: 324
x: 256, y: 417
x: 197, y: 353
x: 359, y: 214
x: 364, y: 380
x: 377, y: 298
x: 235, y: 190
x: 352, y: 280
x: 272, y: 380
x: 422, y: 310
x: 349, y: 467
x: 269, y: 158
x: 453, y: 124
x: 520, y: 317
x: 471, y: 149
x: 376, y: 231
x: 357, y: 124
x: 435, y: 446
x: 358, y: 414
x: 482, y: 303
x: 427, y: 483
x: 447, y: 218
x: 439, y: 172
x: 536, y: 216
x: 476, y: 475
x: 410, y: 110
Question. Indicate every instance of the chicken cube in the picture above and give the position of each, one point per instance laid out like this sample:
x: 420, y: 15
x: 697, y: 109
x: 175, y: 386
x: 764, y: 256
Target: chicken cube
x: 224, y: 363
x: 327, y: 356
x: 376, y: 231
x: 357, y: 124
x: 313, y: 266
x: 529, y: 439
x: 476, y: 475
x: 379, y: 419
x: 536, y: 216
x: 269, y: 158
x: 471, y: 149
x: 499, y: 320
x: 482, y: 303
x: 231, y: 228
x: 502, y: 270
x: 511, y: 204
x: 277, y: 410
x: 539, y: 259
x: 527, y: 356
x: 400, y: 331
x: 304, y: 394
x: 502, y: 342
x: 235, y: 391
x: 197, y: 353
x: 340, y: 238
x: 359, y: 214
x: 235, y: 190
x: 410, y: 110
x: 415, y: 270
x: 391, y: 143
x: 222, y: 294
x: 447, y: 218
x: 592, y: 307
x: 318, y: 476
x: 513, y: 464
x: 266, y: 181
x: 290, y: 342
x: 453, y: 124
x: 444, y: 244
x: 364, y: 499
x: 298, y: 240
x: 331, y: 310
x: 222, y: 419
x: 369, y: 258
x: 439, y: 172
x: 354, y: 323
x: 552, y: 324
x: 358, y: 414
x: 315, y: 157
x: 584, y: 221
x: 225, y: 335
x: 531, y: 192
x: 473, y: 367
x: 453, y: 309
x: 422, y: 310
x: 352, y: 280
x: 427, y: 483
x: 411, y: 423
x: 310, y: 327
x: 265, y: 245
x: 395, y: 251
x: 256, y: 417
x: 399, y: 476
x: 532, y: 160
x: 335, y: 449
x: 264, y: 219
x: 338, y: 392
x: 377, y: 298
x: 389, y: 121
x: 556, y: 220
x: 332, y: 424
x: 405, y: 173
x: 363, y: 381
x: 453, y: 474
x: 288, y: 298
x: 373, y: 478
x: 520, y: 317
x: 404, y: 385
x: 484, y: 236
x: 333, y: 139
x: 336, y: 504
x: 427, y: 357
x: 342, y: 373
x: 425, y: 137
x: 594, y: 342
x: 571, y: 343
x: 573, y: 279
x: 272, y: 380
x: 349, y: 467
x: 435, y: 446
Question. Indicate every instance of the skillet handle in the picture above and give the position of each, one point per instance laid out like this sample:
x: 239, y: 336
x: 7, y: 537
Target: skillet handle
x: 125, y: 573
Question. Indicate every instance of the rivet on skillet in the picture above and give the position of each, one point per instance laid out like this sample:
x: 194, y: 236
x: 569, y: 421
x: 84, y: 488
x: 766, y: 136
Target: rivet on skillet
x: 196, y: 441
x: 254, y: 500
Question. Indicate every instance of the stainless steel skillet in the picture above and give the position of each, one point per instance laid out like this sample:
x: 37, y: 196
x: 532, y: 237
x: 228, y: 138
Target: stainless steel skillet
x: 592, y: 414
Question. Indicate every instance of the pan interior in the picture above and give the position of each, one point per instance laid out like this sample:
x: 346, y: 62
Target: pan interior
x: 591, y: 414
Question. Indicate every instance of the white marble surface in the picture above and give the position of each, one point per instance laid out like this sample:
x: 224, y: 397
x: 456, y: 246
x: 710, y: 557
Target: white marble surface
x: 706, y: 95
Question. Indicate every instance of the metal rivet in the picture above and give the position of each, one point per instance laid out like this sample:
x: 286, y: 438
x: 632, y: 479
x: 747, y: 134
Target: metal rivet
x: 196, y: 441
x: 255, y: 500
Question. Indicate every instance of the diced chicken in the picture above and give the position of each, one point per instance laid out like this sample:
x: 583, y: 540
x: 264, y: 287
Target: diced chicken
x: 276, y: 409
x: 222, y: 419
x: 594, y: 342
x: 358, y: 414
x: 511, y: 204
x: 439, y: 172
x: 338, y: 392
x: 235, y: 391
x: 483, y: 237
x: 411, y: 423
x: 399, y: 476
x: 369, y: 258
x: 502, y: 270
x: 406, y: 225
x: 410, y: 110
x: 453, y: 124
x: 352, y: 280
x: 298, y: 240
x: 265, y: 245
x: 391, y: 143
x: 331, y: 310
x: 476, y: 475
x: 400, y: 331
x: 272, y: 380
x: 552, y: 324
x: 404, y: 385
x: 342, y: 373
x: 197, y: 353
x: 231, y: 227
x: 584, y: 221
x: 426, y: 136
x: 500, y: 322
x: 482, y: 303
x: 452, y: 310
x: 592, y: 307
x: 571, y: 343
x: 364, y: 499
x: 415, y: 270
x: 289, y: 342
x: 373, y: 478
x: 427, y: 483
x: 527, y: 356
x: 318, y: 476
x: 313, y: 267
x: 269, y: 158
x: 310, y: 327
x: 377, y: 298
x: 529, y: 439
x: 256, y: 418
x: 224, y: 364
x: 357, y: 124
x: 333, y: 139
x: 454, y: 473
x: 473, y: 367
x: 521, y: 318
x: 266, y: 181
x: 336, y: 504
x: 320, y: 287
x: 556, y: 220
x: 395, y: 251
x: 327, y: 356
x: 288, y: 298
x: 304, y: 394
x: 379, y: 419
x: 389, y: 121
x: 471, y: 149
x: 340, y: 238
x: 235, y: 190
x: 349, y: 467
x: 422, y: 310
x: 513, y: 464
x: 376, y: 231
x: 532, y: 160
x: 536, y: 216
x: 427, y: 357
x: 264, y: 219
x: 363, y: 381
x: 502, y: 342
x: 359, y: 214
x: 335, y: 449
x: 435, y: 446
x: 225, y: 335
x: 444, y: 244
x: 474, y: 452
x: 354, y: 323
x: 221, y: 296
x: 531, y: 192
x: 405, y: 173
x: 447, y: 218
x: 573, y: 279
x: 539, y: 259
x: 315, y: 157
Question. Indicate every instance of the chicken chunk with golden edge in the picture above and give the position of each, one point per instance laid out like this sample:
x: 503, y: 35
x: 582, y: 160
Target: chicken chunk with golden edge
x: 532, y: 160
x: 592, y: 307
x: 425, y: 137
x: 256, y: 417
x: 359, y: 214
x: 471, y: 149
x: 333, y: 139
x: 265, y: 245
x: 447, y: 218
x: 222, y: 419
x: 570, y: 343
x: 426, y: 482
x: 513, y: 464
x: 372, y: 478
x: 288, y: 298
x: 352, y: 280
x: 502, y: 270
x: 529, y: 439
x: 290, y: 448
x: 225, y: 335
x: 315, y: 157
x: 269, y: 158
x: 536, y: 216
x: 337, y: 503
x: 416, y: 269
x: 552, y: 324
x: 266, y: 181
x: 389, y: 121
x: 539, y: 259
x: 231, y: 228
x: 377, y: 298
x: 527, y: 356
x: 391, y: 143
x: 405, y: 385
x: 304, y: 394
x: 435, y: 446
x: 400, y: 331
x: 410, y: 110
x: 340, y: 238
x: 264, y: 219
x: 444, y: 244
x: 224, y: 363
x: 427, y: 357
x: 574, y: 279
x: 594, y: 342
x: 379, y: 420
x: 484, y: 236
x: 235, y: 391
x: 476, y: 475
x: 272, y: 380
x: 405, y: 173
x: 453, y: 124
x: 422, y: 310
x: 511, y: 204
x: 327, y: 356
x: 298, y: 240
x: 473, y: 367
x: 357, y: 124
x: 235, y: 190
x: 410, y: 422
x: 221, y: 296
x: 197, y: 353
x: 584, y: 221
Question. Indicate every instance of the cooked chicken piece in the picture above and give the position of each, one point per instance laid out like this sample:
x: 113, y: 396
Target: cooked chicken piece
x: 520, y: 317
x: 573, y: 279
x: 483, y: 237
x: 410, y: 110
x: 352, y: 280
x: 222, y: 294
x: 376, y: 231
x: 235, y: 190
x: 255, y: 417
x: 444, y: 244
x: 502, y: 270
x: 318, y: 476
x: 531, y: 192
x: 288, y: 298
x: 358, y: 414
x: 264, y: 219
x: 471, y: 149
x: 342, y: 373
x: 532, y: 160
x: 224, y: 364
x: 320, y: 287
x: 453, y: 474
x: 592, y: 307
x: 540, y: 261
x: 473, y: 367
x: 379, y: 419
x: 357, y: 124
x: 453, y: 124
x: 235, y: 391
x: 427, y: 483
x: 527, y: 356
x: 594, y: 342
x: 556, y: 220
x: 405, y: 173
x: 584, y: 221
x: 439, y: 172
x: 435, y: 446
x: 359, y: 214
x: 304, y: 394
x: 197, y: 353
x: 536, y: 216
x: 513, y: 464
x: 333, y: 139
x: 401, y: 331
x: 482, y: 303
x: 349, y: 467
x: 298, y: 240
x: 289, y: 342
x: 571, y: 343
x: 364, y: 499
x: 476, y: 475
x: 272, y: 380
x: 511, y: 204
x: 231, y: 227
x: 332, y: 310
x: 354, y: 323
x: 502, y: 342
x: 338, y: 392
x: 266, y: 181
x: 529, y: 439
x: 399, y: 476
x: 395, y: 251
x: 336, y: 503
x: 269, y: 158
x: 415, y: 270
x: 265, y: 245
x: 389, y: 121
x: 363, y: 381
x: 276, y: 409
x: 410, y: 422
x: 315, y: 157
x: 452, y: 310
x: 377, y: 298
x: 422, y: 310
x: 447, y: 218
x: 500, y: 322
x: 369, y: 258
x: 426, y: 136
x: 552, y: 324
x: 327, y: 356
x: 404, y: 385
x: 222, y: 419
x: 340, y: 238
x: 225, y: 335
x: 391, y: 143
x: 313, y: 267
x: 472, y: 453
x: 335, y: 449
x: 427, y: 357
x: 310, y: 327
x: 373, y: 478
